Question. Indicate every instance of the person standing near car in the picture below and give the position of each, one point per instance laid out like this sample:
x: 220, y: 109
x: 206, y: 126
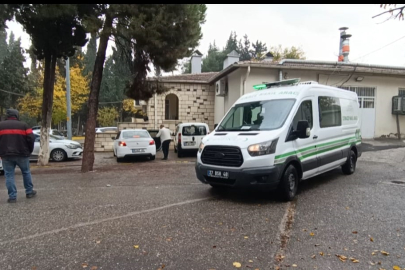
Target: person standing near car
x: 165, y: 138
x: 16, y: 146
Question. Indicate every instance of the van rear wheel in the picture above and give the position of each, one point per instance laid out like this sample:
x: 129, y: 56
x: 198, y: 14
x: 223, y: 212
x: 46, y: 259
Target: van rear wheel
x: 289, y: 183
x: 350, y: 166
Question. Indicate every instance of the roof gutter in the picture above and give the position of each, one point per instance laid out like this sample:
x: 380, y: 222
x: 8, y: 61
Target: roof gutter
x: 296, y: 61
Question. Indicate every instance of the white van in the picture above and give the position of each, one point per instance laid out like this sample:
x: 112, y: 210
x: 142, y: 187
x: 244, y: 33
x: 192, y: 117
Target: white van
x: 277, y: 136
x: 188, y: 137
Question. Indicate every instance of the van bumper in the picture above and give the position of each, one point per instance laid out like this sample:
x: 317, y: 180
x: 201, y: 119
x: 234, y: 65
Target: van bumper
x: 268, y: 177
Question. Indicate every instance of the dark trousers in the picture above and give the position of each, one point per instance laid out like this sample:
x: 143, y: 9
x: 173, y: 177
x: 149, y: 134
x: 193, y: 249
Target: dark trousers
x: 165, y: 148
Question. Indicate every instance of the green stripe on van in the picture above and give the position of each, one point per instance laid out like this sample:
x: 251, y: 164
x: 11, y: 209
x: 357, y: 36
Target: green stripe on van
x: 344, y: 142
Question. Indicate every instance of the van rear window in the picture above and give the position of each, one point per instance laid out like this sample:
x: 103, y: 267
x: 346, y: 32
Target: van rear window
x: 194, y: 131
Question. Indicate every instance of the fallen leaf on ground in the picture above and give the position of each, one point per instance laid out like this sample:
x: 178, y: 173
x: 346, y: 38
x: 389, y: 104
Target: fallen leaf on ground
x: 355, y: 232
x: 246, y: 237
x: 237, y: 265
x: 354, y: 260
x: 311, y: 234
x: 304, y: 230
x: 371, y: 238
x: 84, y: 265
x: 341, y: 257
x: 93, y: 268
x: 384, y: 253
x: 321, y: 253
x: 347, y: 207
x: 294, y: 265
x: 313, y: 256
x: 396, y: 267
x: 98, y: 242
x: 214, y: 246
x: 136, y: 246
x: 372, y: 263
x: 317, y: 245
x: 250, y: 261
x: 373, y: 253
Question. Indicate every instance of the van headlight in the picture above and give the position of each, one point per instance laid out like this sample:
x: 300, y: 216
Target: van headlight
x: 201, y: 147
x: 264, y: 148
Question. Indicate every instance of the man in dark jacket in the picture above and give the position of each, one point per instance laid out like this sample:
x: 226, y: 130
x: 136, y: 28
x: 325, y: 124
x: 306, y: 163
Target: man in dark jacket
x: 16, y: 146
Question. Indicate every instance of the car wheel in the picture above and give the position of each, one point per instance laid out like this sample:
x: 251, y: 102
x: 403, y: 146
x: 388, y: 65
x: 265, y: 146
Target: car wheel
x: 152, y: 157
x: 350, y: 166
x: 179, y: 153
x: 58, y: 155
x: 289, y: 183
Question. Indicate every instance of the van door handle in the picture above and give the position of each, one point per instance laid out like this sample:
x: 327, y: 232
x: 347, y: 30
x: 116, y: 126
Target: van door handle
x: 315, y: 137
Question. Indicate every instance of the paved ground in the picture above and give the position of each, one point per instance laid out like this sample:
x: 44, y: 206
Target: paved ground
x: 156, y: 215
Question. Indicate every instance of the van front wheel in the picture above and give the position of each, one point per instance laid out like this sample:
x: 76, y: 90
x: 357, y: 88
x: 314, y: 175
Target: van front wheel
x: 350, y: 166
x: 289, y: 183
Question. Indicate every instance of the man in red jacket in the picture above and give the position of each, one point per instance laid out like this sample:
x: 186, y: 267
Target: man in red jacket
x: 16, y: 146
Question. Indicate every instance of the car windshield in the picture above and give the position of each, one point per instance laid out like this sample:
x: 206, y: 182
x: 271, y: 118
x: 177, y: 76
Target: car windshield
x: 135, y: 134
x: 194, y: 130
x: 259, y: 115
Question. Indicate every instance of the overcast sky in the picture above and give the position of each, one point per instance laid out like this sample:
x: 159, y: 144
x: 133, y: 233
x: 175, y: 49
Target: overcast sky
x: 314, y: 28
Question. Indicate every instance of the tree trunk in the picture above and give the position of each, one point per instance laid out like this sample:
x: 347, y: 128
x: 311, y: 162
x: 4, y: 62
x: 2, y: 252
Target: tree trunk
x: 88, y: 151
x: 47, y: 102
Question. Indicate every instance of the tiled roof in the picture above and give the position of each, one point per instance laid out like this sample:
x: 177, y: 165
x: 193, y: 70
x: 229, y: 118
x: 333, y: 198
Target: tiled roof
x: 200, y: 77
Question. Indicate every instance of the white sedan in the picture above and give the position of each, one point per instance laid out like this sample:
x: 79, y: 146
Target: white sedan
x: 134, y: 143
x: 60, y: 149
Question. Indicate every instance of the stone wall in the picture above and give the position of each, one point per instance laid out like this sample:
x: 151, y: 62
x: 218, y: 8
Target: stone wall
x: 103, y: 142
x: 196, y: 104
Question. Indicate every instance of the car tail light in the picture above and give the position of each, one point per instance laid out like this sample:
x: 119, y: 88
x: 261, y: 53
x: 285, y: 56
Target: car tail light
x: 152, y: 142
x: 122, y: 144
x: 179, y: 138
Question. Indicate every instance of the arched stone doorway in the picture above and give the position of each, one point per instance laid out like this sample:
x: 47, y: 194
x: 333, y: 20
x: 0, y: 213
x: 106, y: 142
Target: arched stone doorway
x: 171, y: 107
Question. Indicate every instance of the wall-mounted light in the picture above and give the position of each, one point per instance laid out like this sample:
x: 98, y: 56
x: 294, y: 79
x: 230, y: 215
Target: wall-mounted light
x: 359, y: 79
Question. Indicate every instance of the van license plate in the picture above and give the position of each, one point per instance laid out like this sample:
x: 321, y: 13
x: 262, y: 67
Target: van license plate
x: 189, y: 143
x: 139, y: 150
x: 218, y: 174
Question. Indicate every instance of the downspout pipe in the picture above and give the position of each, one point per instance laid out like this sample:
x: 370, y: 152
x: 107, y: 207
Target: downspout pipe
x: 244, y: 81
x: 280, y: 75
x: 155, y: 122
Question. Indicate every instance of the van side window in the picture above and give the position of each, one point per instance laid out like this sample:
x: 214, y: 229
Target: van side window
x: 304, y: 113
x: 330, y: 114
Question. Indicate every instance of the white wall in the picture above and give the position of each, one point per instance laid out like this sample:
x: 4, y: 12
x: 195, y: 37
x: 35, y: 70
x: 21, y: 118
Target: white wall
x: 386, y: 88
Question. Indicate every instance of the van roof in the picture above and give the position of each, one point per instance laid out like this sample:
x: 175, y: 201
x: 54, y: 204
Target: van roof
x: 294, y: 91
x: 189, y: 124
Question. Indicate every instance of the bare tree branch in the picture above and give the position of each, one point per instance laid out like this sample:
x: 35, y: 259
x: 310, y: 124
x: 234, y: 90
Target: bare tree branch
x: 400, y: 12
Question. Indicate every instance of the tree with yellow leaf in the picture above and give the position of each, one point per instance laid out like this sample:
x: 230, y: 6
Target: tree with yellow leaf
x: 128, y: 106
x: 32, y: 103
x: 107, y: 116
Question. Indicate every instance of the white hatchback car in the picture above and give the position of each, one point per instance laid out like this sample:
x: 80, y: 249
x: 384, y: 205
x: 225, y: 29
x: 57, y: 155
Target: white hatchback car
x: 60, y: 149
x: 134, y: 143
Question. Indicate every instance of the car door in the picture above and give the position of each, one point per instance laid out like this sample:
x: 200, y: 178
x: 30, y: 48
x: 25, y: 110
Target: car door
x: 35, y: 152
x: 306, y: 147
x: 116, y: 141
x: 330, y: 142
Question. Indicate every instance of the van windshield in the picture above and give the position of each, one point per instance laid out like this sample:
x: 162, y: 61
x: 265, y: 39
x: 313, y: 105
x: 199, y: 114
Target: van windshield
x: 259, y: 115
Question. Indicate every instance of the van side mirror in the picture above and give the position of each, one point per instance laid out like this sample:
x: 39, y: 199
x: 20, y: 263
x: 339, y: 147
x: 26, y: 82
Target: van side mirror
x: 303, y: 130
